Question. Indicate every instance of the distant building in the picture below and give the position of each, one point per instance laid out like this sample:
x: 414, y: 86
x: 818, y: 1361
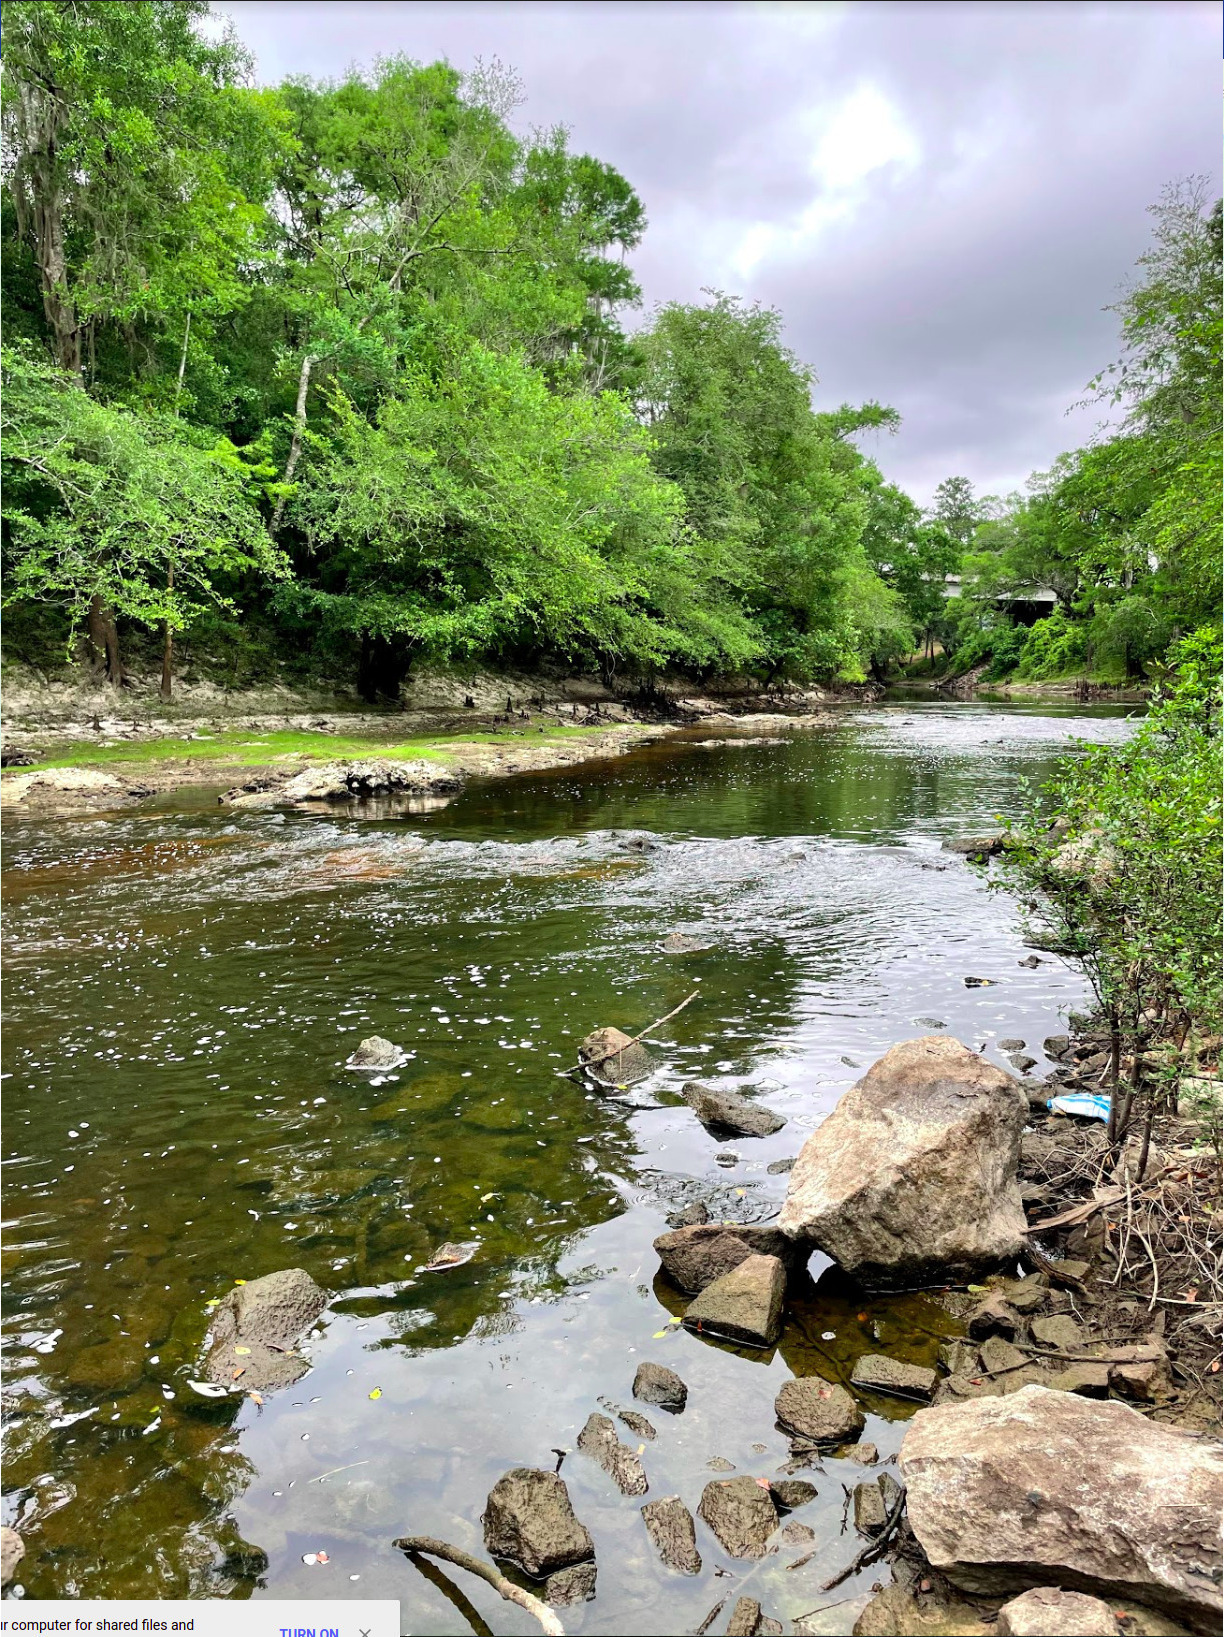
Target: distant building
x: 1023, y: 607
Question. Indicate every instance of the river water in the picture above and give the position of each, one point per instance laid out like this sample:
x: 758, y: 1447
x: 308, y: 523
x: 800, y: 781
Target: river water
x: 183, y: 987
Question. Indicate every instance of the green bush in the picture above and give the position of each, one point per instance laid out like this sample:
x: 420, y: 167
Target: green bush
x: 1054, y: 647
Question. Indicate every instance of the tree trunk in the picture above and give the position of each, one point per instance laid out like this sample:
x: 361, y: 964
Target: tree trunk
x: 45, y: 221
x: 167, y: 646
x: 295, y: 443
x: 104, y: 642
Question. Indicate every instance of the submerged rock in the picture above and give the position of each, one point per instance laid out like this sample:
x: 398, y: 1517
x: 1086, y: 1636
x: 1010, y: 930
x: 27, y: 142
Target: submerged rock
x: 694, y: 1257
x: 679, y: 943
x: 728, y: 1111
x: 914, y: 1172
x: 656, y: 1384
x: 744, y: 1305
x: 530, y: 1520
x: 256, y: 1327
x: 821, y: 1411
x: 452, y: 1254
x: 376, y: 1053
x: 12, y: 1550
x: 1048, y: 1612
x: 1042, y: 1486
x: 878, y: 1374
x: 568, y: 1586
x: 779, y: 1168
x: 613, y: 1058
x: 669, y: 1523
x: 740, y: 1514
x: 598, y: 1440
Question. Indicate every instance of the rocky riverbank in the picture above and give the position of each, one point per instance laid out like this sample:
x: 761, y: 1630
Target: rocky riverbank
x: 426, y: 755
x: 1063, y: 1476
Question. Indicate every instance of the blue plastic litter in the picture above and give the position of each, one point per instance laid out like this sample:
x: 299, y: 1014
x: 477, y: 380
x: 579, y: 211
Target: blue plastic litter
x: 1089, y: 1105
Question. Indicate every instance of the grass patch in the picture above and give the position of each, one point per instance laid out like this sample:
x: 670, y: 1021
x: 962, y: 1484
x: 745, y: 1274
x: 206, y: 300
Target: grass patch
x: 247, y: 749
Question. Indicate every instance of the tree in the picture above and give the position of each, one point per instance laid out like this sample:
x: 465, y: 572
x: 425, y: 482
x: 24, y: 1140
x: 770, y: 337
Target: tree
x: 775, y: 493
x: 129, y: 144
x: 103, y: 506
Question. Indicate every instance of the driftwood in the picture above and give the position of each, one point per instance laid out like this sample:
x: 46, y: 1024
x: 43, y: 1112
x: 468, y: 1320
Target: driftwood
x: 876, y: 1549
x: 420, y: 1545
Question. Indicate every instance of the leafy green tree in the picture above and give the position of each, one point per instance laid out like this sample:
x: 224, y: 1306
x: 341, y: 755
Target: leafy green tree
x: 776, y: 493
x: 105, y: 507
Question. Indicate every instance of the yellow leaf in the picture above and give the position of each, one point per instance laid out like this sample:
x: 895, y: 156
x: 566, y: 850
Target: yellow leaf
x: 256, y: 1397
x: 377, y: 1393
x: 242, y: 1349
x: 659, y: 1333
x: 739, y: 1193
x: 240, y: 1281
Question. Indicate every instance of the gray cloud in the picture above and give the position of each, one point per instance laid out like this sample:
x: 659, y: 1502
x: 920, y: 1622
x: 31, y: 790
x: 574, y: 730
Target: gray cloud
x: 940, y: 198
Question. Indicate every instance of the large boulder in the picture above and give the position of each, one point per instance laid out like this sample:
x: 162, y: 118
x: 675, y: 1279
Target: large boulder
x: 614, y: 1058
x: 529, y: 1520
x: 1047, y: 1487
x: 695, y: 1256
x: 728, y: 1111
x: 745, y: 1305
x: 913, y: 1175
x: 740, y: 1513
x: 255, y: 1328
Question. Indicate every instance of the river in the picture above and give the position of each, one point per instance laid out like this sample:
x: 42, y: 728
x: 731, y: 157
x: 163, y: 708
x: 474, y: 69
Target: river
x: 183, y: 987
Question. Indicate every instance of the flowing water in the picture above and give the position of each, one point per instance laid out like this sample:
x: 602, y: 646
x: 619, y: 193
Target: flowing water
x: 183, y: 988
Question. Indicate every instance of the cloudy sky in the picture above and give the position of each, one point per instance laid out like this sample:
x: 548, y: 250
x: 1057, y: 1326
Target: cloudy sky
x: 940, y: 198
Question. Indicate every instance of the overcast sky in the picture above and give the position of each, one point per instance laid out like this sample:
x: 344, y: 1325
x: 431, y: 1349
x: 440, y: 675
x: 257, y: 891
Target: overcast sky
x: 940, y: 198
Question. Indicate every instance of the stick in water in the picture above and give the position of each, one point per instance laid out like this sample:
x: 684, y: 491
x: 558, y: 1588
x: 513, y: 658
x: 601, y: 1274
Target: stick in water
x: 426, y: 1545
x: 619, y: 1051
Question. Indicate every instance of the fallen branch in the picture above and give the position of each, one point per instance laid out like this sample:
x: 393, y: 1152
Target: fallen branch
x: 617, y: 1051
x: 421, y: 1545
x: 711, y: 1617
x: 875, y: 1550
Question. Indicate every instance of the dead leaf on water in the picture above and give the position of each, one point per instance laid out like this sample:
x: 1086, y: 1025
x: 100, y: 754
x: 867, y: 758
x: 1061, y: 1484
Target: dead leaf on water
x: 377, y: 1393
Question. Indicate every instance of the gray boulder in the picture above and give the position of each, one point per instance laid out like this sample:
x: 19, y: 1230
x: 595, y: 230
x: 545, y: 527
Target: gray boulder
x: 376, y: 1053
x: 694, y: 1257
x: 728, y: 1111
x: 529, y: 1520
x: 656, y: 1384
x: 1043, y: 1486
x: 913, y: 1175
x: 598, y: 1440
x: 744, y: 1305
x: 255, y: 1329
x: 611, y: 1057
x: 740, y: 1514
x: 820, y: 1411
x: 669, y: 1523
x: 1048, y: 1612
